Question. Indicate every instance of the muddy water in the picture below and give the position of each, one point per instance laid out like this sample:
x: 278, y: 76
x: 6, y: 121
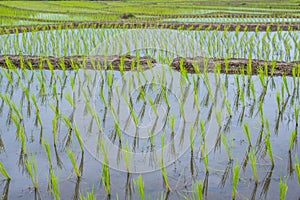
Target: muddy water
x: 183, y: 165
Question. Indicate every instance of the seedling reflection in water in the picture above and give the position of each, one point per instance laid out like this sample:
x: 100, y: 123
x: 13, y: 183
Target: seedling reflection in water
x: 162, y: 165
x: 105, y: 176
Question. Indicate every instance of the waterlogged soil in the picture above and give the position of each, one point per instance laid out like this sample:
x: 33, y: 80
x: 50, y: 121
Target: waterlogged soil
x: 74, y: 62
x: 236, y: 66
x: 190, y: 65
x: 185, y: 169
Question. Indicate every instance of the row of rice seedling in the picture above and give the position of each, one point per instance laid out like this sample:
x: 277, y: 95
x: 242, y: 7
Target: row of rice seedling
x: 281, y: 45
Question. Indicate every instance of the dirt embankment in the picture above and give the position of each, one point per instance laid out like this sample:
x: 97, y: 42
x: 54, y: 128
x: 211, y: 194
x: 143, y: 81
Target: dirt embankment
x: 235, y: 65
x: 75, y: 62
x: 191, y: 65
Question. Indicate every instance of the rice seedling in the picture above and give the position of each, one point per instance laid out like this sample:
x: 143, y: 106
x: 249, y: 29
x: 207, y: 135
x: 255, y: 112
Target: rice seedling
x: 171, y: 123
x: 296, y: 114
x: 278, y: 102
x: 282, y: 189
x: 105, y: 177
x: 79, y: 139
x: 46, y: 146
x: 127, y: 156
x: 286, y: 84
x: 198, y: 188
x: 54, y: 129
x: 204, y: 157
x: 165, y: 176
x: 268, y: 142
x: 18, y: 125
x: 247, y: 132
x: 226, y: 146
x: 261, y: 76
x: 32, y: 171
x: 88, y: 195
x: 139, y: 185
x: 202, y: 129
x: 54, y: 185
x: 252, y: 157
x: 37, y: 112
x: 235, y: 178
x: 132, y: 113
x: 67, y: 122
x: 3, y: 171
x: 152, y: 104
x: 219, y: 118
x: 70, y: 99
x: 192, y: 137
x: 71, y: 156
x: 297, y: 169
x: 292, y: 139
x: 228, y: 107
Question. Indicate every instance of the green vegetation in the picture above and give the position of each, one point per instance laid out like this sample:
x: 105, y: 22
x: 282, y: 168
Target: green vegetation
x: 3, y: 171
x: 181, y: 125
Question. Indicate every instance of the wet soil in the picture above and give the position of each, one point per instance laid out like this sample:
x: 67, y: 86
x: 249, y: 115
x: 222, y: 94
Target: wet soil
x: 75, y: 62
x: 236, y: 66
x: 191, y: 65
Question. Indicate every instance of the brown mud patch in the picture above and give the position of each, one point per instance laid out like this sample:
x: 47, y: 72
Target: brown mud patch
x: 77, y: 62
x: 236, y: 66
x: 191, y: 65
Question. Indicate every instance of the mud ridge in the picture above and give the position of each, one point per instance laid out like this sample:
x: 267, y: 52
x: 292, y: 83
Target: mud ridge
x: 235, y: 66
x: 128, y: 62
x: 75, y: 62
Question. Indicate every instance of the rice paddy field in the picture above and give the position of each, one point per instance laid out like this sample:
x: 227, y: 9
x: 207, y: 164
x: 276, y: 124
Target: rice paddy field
x: 149, y: 99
